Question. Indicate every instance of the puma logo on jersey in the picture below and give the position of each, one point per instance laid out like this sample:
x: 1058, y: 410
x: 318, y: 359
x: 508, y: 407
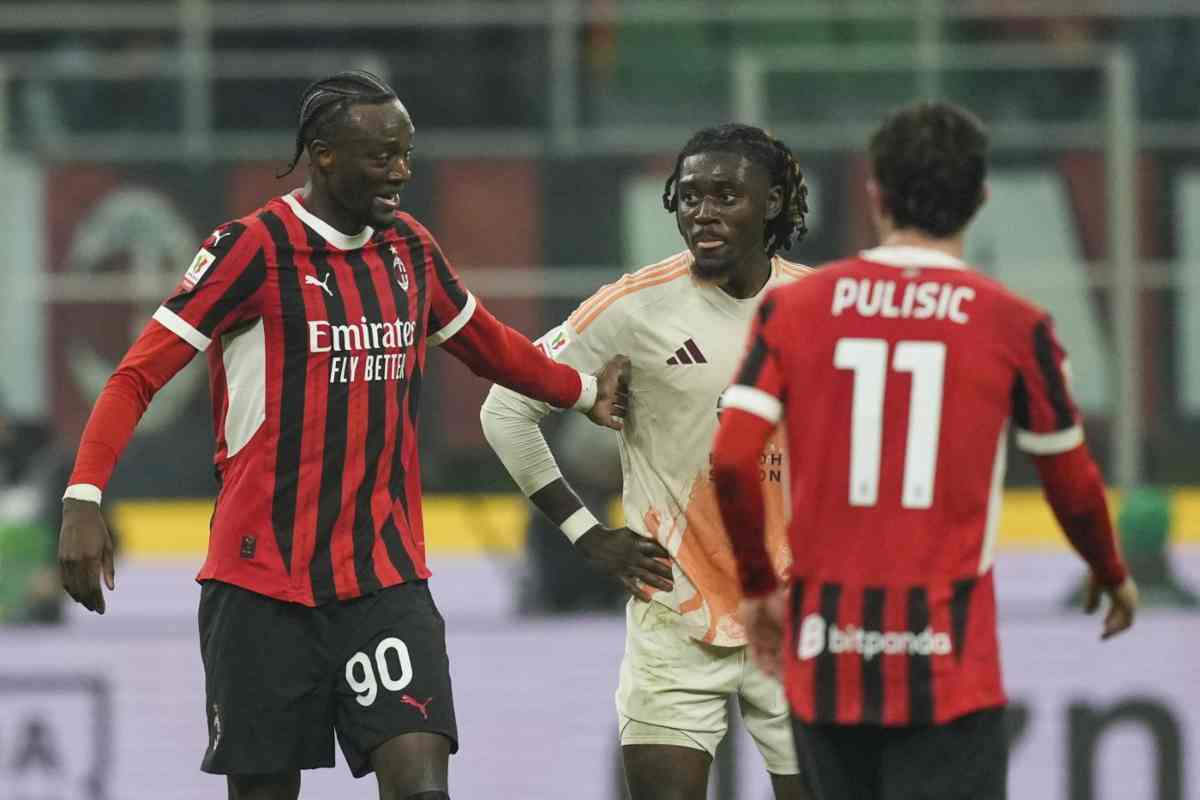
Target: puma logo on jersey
x: 217, y: 236
x: 309, y: 280
x: 419, y: 706
x: 688, y: 354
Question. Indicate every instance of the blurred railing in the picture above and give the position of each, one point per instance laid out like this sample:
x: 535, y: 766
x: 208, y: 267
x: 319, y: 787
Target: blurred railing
x: 569, y: 111
x: 222, y: 77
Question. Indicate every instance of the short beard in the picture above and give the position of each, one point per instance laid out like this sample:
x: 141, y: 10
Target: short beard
x: 712, y: 271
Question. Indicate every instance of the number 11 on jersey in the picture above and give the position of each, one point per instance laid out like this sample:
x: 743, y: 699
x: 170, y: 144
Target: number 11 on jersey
x: 868, y: 359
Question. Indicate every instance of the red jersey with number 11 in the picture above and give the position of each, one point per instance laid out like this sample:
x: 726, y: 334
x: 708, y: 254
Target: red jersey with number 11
x: 898, y: 373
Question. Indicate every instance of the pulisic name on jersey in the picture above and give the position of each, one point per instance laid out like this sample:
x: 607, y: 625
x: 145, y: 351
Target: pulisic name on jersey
x: 361, y: 338
x: 880, y: 298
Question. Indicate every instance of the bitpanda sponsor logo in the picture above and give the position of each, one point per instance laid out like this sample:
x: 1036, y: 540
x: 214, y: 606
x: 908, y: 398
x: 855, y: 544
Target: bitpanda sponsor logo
x: 818, y: 636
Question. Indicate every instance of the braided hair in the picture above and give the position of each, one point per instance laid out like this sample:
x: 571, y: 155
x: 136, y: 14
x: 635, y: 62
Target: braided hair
x: 788, y: 227
x: 325, y: 102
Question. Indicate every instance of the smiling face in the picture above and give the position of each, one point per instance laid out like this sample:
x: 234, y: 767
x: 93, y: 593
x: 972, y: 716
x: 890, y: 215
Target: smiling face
x: 367, y: 163
x: 725, y: 200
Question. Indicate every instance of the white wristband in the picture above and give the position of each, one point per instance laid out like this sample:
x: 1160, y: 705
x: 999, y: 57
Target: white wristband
x: 83, y: 491
x: 587, y: 395
x: 578, y: 524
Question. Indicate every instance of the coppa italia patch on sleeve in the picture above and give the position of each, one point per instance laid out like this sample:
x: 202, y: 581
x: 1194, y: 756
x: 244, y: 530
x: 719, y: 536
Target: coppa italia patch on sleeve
x: 555, y: 341
x: 200, y: 265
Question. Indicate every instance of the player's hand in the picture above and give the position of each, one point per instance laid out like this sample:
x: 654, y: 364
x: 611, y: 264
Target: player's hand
x: 1122, y: 606
x: 85, y: 552
x: 612, y: 394
x: 763, y: 617
x: 629, y: 557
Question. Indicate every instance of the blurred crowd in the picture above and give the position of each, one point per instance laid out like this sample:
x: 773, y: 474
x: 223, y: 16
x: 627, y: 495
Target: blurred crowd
x: 645, y: 72
x: 32, y: 474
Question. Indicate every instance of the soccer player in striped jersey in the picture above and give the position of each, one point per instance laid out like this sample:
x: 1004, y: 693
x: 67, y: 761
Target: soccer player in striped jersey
x: 899, y: 372
x: 316, y: 312
x: 738, y: 197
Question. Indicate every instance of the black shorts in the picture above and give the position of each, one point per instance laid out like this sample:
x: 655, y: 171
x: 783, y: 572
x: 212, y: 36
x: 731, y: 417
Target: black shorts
x: 965, y: 759
x: 280, y: 678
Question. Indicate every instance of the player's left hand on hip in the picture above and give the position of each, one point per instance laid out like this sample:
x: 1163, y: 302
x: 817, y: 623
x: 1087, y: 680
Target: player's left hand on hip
x: 640, y: 563
x: 763, y: 618
x: 612, y: 394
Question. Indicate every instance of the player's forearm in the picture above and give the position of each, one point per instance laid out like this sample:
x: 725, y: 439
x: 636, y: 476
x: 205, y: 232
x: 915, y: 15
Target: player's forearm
x: 739, y: 445
x: 1075, y: 491
x: 511, y: 426
x: 495, y: 351
x: 155, y: 357
x: 562, y: 506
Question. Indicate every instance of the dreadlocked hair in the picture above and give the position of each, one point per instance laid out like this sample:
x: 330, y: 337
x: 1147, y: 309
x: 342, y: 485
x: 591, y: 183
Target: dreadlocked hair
x: 325, y: 101
x: 788, y: 226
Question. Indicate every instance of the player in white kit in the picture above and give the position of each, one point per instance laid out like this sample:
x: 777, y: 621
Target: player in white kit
x: 738, y: 196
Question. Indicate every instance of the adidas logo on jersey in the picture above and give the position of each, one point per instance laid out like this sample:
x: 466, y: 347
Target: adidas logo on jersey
x: 688, y: 354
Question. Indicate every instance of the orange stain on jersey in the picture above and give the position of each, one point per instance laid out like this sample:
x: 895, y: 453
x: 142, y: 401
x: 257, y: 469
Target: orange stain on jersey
x: 705, y: 554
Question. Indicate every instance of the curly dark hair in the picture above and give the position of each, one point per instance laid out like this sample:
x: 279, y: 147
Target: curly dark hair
x: 788, y: 227
x: 324, y: 103
x: 930, y: 161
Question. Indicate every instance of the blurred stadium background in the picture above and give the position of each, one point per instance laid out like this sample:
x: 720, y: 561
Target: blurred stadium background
x: 128, y: 130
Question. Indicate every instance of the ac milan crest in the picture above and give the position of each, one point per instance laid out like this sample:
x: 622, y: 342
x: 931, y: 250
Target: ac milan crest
x: 398, y: 268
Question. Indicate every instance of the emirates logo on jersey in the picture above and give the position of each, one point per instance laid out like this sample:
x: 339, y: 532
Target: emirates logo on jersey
x: 361, y: 343
x: 398, y: 268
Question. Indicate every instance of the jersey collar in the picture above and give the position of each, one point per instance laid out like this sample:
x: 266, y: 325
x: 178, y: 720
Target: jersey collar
x: 907, y: 257
x: 326, y: 231
x: 739, y: 307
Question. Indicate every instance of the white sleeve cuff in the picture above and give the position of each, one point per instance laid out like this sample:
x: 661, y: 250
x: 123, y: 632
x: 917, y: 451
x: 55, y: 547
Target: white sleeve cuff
x: 578, y: 524
x: 455, y: 325
x: 83, y: 491
x: 587, y: 395
x: 752, y: 400
x: 181, y: 328
x: 1049, y: 444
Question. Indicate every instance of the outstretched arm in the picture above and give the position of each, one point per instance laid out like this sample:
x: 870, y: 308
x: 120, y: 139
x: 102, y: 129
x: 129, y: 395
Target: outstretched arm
x: 459, y: 323
x: 495, y: 351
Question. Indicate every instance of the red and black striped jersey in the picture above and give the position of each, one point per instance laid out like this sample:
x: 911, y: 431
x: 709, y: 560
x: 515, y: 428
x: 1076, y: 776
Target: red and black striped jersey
x: 898, y: 374
x: 316, y: 345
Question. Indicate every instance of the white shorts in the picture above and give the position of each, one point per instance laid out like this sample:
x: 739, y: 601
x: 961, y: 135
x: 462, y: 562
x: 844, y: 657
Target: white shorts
x: 674, y: 690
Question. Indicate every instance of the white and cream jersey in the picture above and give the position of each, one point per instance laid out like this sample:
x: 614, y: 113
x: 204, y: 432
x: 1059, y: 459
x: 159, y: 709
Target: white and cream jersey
x: 685, y: 338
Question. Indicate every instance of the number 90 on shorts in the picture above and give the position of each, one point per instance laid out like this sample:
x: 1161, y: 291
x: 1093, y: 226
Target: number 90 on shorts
x: 365, y: 677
